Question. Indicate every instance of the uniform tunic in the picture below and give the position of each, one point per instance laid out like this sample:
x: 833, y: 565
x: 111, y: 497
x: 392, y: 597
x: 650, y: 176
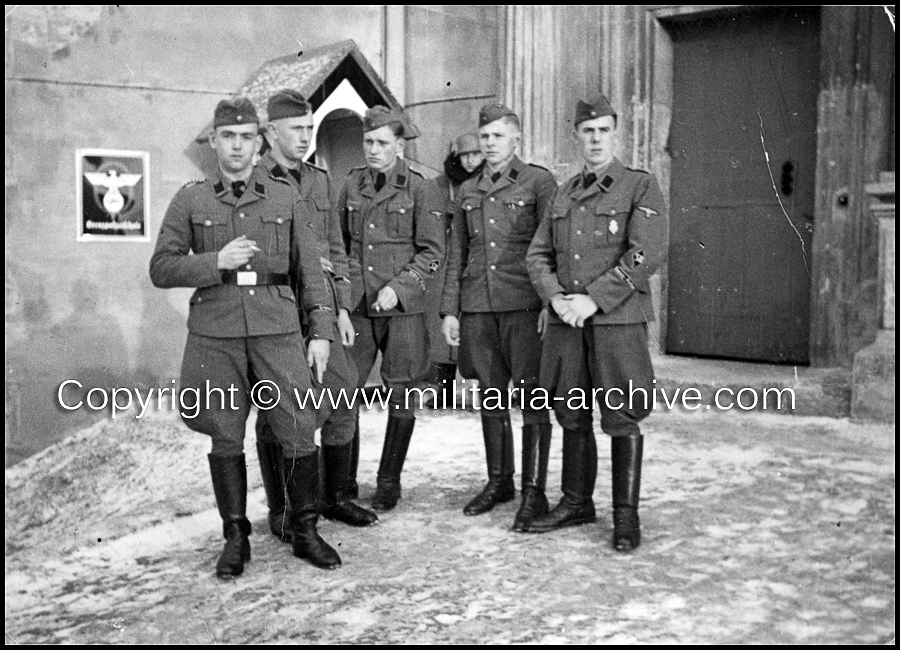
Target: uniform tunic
x: 240, y: 331
x: 604, y: 240
x: 487, y: 279
x: 440, y: 351
x: 314, y: 205
x: 394, y: 239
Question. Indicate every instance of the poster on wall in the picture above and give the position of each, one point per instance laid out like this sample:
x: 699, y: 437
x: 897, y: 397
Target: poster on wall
x: 113, y: 195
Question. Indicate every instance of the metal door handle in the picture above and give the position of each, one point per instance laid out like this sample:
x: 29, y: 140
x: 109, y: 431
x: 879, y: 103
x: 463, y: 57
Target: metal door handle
x: 787, y: 178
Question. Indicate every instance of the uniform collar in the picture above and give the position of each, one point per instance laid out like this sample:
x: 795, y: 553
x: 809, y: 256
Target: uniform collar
x: 275, y: 170
x: 256, y: 188
x: 508, y: 176
x: 394, y: 181
x: 606, y: 180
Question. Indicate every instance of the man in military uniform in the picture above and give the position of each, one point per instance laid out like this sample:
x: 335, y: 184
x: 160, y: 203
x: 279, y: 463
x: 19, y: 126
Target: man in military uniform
x: 290, y: 126
x: 492, y: 312
x: 396, y: 245
x: 462, y: 162
x: 591, y: 260
x: 250, y: 251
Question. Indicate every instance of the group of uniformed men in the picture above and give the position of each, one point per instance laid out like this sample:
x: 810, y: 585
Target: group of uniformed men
x: 538, y: 285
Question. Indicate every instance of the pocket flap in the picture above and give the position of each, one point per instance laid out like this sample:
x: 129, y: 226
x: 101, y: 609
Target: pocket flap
x: 471, y: 204
x: 521, y: 201
x: 403, y: 206
x: 209, y: 219
x: 285, y: 291
x: 274, y: 217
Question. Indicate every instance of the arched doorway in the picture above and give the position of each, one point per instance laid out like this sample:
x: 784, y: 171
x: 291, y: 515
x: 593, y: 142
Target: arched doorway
x: 338, y: 143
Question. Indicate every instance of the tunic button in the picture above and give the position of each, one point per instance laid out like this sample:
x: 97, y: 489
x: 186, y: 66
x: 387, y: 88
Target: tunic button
x: 493, y: 244
x: 207, y: 223
x: 492, y: 199
x: 582, y: 208
x: 249, y: 267
x: 371, y: 225
x: 492, y: 221
x: 575, y: 283
x: 521, y: 203
x: 578, y: 257
x: 252, y: 292
x: 280, y: 220
x: 577, y: 232
x: 402, y: 211
x: 371, y: 247
x: 493, y: 267
x: 242, y: 215
x: 370, y: 268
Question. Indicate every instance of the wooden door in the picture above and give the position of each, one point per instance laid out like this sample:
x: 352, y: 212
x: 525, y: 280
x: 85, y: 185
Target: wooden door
x: 743, y: 146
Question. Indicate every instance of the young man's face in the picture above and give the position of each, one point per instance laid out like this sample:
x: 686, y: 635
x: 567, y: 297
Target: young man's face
x: 381, y: 147
x: 596, y: 140
x: 470, y: 160
x: 292, y: 136
x: 498, y: 141
x: 235, y: 145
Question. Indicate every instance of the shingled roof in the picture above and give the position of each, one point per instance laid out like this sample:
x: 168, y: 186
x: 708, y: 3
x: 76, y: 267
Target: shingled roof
x: 315, y: 73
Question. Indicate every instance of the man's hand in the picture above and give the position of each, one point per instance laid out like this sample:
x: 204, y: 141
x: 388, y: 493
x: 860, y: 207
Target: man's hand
x: 236, y: 253
x: 386, y: 300
x: 345, y: 328
x: 560, y: 305
x: 317, y: 356
x: 450, y: 330
x: 543, y: 321
x: 581, y: 307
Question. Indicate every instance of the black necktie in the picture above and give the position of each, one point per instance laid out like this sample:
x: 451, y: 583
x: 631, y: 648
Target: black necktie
x: 379, y: 181
x: 589, y: 179
x: 238, y: 187
x: 296, y: 174
x: 496, y: 176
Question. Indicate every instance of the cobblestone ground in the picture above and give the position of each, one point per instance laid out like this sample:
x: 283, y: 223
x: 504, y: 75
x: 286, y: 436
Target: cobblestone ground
x: 757, y: 529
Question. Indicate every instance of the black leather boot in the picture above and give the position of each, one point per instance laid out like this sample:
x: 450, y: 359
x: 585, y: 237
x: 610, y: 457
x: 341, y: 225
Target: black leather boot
x: 498, y: 446
x: 352, y: 485
x: 338, y: 505
x: 271, y: 466
x: 301, y: 476
x: 229, y: 479
x: 393, y: 455
x: 535, y: 457
x: 579, y: 475
x: 627, y: 455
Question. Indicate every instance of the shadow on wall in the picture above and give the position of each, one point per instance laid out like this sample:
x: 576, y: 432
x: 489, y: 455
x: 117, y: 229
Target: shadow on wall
x: 159, y: 353
x: 88, y: 346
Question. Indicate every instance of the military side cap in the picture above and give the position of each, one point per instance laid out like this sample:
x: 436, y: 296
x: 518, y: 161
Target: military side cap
x: 466, y: 143
x: 379, y: 116
x: 287, y: 103
x: 493, y: 112
x: 235, y: 111
x: 597, y: 107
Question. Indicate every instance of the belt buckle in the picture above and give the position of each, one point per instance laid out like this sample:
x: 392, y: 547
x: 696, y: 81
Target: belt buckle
x: 246, y: 278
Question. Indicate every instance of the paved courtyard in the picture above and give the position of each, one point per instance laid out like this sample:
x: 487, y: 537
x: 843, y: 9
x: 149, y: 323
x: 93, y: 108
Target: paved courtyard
x: 757, y: 529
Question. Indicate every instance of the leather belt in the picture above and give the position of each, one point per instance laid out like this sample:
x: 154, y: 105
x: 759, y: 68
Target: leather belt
x: 254, y: 279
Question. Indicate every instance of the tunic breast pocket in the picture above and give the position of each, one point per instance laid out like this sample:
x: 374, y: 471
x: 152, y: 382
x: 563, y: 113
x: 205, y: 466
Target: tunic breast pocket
x: 610, y: 225
x: 400, y: 218
x: 523, y: 215
x: 210, y: 231
x: 354, y: 219
x: 560, y: 225
x: 472, y: 208
x: 319, y: 212
x: 277, y: 229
